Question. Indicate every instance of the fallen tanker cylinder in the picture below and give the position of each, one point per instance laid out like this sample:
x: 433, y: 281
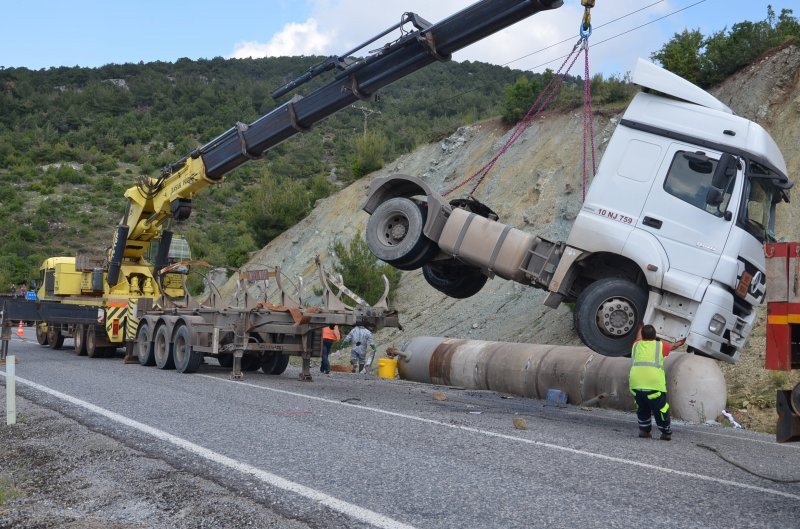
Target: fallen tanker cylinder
x: 696, y: 385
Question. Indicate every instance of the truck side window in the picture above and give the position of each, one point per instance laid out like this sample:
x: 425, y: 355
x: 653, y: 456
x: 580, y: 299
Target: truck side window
x: 691, y: 181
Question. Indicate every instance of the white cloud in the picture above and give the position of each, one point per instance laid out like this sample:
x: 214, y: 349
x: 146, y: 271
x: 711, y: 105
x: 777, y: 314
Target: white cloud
x: 347, y: 23
x: 293, y: 39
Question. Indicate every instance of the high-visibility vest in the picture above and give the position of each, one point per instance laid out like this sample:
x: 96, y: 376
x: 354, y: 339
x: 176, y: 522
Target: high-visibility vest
x: 329, y: 334
x: 647, y: 371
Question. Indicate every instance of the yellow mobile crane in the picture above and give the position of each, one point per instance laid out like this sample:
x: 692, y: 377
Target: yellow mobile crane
x: 122, y: 299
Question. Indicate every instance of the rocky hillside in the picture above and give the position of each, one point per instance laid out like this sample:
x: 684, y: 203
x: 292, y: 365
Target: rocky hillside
x: 536, y: 186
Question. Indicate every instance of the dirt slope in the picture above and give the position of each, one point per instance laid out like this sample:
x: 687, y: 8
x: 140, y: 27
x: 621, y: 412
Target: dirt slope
x: 536, y: 186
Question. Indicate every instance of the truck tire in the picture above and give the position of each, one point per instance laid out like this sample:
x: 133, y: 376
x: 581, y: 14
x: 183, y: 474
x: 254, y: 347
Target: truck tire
x: 79, y: 336
x: 225, y: 360
x: 394, y: 234
x: 93, y: 349
x: 274, y: 363
x: 162, y: 349
x: 41, y: 333
x: 144, y: 346
x: 456, y: 281
x: 54, y: 337
x: 607, y: 314
x: 250, y: 363
x: 185, y: 358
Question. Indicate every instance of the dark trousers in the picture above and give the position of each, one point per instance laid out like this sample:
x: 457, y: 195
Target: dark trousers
x: 650, y: 402
x: 326, y: 350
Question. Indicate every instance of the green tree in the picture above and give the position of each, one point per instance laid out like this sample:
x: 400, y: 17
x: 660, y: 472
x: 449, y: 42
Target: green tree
x: 370, y: 149
x: 362, y: 272
x: 681, y: 54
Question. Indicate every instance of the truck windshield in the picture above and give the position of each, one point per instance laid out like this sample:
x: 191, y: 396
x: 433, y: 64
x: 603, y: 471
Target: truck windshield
x: 755, y: 215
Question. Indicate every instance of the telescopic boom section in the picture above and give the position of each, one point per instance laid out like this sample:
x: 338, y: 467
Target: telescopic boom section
x: 152, y: 201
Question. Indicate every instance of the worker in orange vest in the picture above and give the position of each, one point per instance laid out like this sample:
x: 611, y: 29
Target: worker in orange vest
x: 330, y: 334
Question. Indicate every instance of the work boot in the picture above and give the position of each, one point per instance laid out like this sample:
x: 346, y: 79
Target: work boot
x: 645, y: 435
x: 666, y: 436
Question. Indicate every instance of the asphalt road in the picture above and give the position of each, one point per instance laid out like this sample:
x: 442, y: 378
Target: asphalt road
x: 355, y: 451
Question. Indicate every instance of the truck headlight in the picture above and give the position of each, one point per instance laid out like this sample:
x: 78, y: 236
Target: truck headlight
x: 717, y: 324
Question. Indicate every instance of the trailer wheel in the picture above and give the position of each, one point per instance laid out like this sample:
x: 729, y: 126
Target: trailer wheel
x: 162, y: 349
x: 250, y: 363
x: 79, y: 336
x: 394, y: 234
x: 144, y: 347
x: 607, y: 314
x: 274, y: 363
x: 41, y: 332
x: 54, y: 337
x: 185, y: 358
x: 456, y: 281
x: 225, y: 360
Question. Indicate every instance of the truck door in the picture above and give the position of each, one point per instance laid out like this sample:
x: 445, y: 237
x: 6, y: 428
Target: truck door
x: 677, y: 211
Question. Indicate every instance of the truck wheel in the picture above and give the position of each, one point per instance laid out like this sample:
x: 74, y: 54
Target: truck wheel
x: 79, y: 336
x: 225, y: 360
x: 250, y: 363
x: 162, y: 349
x: 144, y: 346
x: 54, y: 337
x: 607, y: 314
x: 274, y: 363
x: 41, y: 332
x: 394, y: 234
x: 456, y: 281
x: 186, y: 359
x: 93, y: 350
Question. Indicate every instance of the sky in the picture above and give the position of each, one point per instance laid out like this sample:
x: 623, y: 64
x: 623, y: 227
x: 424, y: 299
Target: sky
x: 40, y: 34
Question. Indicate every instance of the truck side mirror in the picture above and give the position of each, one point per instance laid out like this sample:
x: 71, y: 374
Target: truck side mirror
x: 714, y: 197
x: 726, y: 169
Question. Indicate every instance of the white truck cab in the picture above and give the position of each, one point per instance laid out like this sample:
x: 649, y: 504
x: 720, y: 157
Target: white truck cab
x: 671, y: 232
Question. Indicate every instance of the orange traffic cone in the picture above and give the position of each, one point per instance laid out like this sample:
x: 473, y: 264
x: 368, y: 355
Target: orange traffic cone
x: 20, y: 331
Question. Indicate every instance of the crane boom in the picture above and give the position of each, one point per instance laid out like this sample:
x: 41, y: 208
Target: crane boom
x: 153, y: 201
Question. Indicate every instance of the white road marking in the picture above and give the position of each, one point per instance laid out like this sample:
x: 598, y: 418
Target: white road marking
x: 542, y: 444
x: 348, y: 509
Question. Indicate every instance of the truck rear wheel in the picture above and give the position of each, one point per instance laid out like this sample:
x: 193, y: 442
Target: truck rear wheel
x: 185, y: 358
x: 93, y: 349
x: 607, y: 314
x: 456, y: 281
x: 394, y: 234
x: 41, y: 332
x: 162, y: 349
x: 144, y: 346
x: 54, y: 337
x: 79, y: 336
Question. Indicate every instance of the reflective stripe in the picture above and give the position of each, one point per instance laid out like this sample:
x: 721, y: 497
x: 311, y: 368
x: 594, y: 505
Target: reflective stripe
x: 657, y: 361
x: 654, y: 395
x: 665, y: 408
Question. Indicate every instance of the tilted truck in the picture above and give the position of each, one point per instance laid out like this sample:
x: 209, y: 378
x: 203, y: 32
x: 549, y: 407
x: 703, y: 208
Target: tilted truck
x: 671, y: 233
x: 124, y: 299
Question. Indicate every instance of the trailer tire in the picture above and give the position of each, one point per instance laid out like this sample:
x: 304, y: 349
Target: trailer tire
x: 41, y: 333
x: 456, y: 281
x: 607, y: 314
x: 144, y: 347
x: 54, y: 337
x: 162, y: 349
x: 274, y: 363
x: 185, y: 358
x: 250, y: 363
x: 225, y: 361
x: 394, y: 234
x: 79, y: 337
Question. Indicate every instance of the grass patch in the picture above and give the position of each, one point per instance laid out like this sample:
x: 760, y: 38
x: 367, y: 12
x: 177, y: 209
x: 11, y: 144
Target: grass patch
x: 8, y: 490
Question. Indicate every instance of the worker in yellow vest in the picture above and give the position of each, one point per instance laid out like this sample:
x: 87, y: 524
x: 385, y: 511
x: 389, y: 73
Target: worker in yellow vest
x: 330, y: 334
x: 648, y: 381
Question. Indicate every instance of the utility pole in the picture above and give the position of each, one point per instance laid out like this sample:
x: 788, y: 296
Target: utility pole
x: 367, y: 112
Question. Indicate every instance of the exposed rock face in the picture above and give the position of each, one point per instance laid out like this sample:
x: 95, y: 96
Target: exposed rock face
x: 537, y: 187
